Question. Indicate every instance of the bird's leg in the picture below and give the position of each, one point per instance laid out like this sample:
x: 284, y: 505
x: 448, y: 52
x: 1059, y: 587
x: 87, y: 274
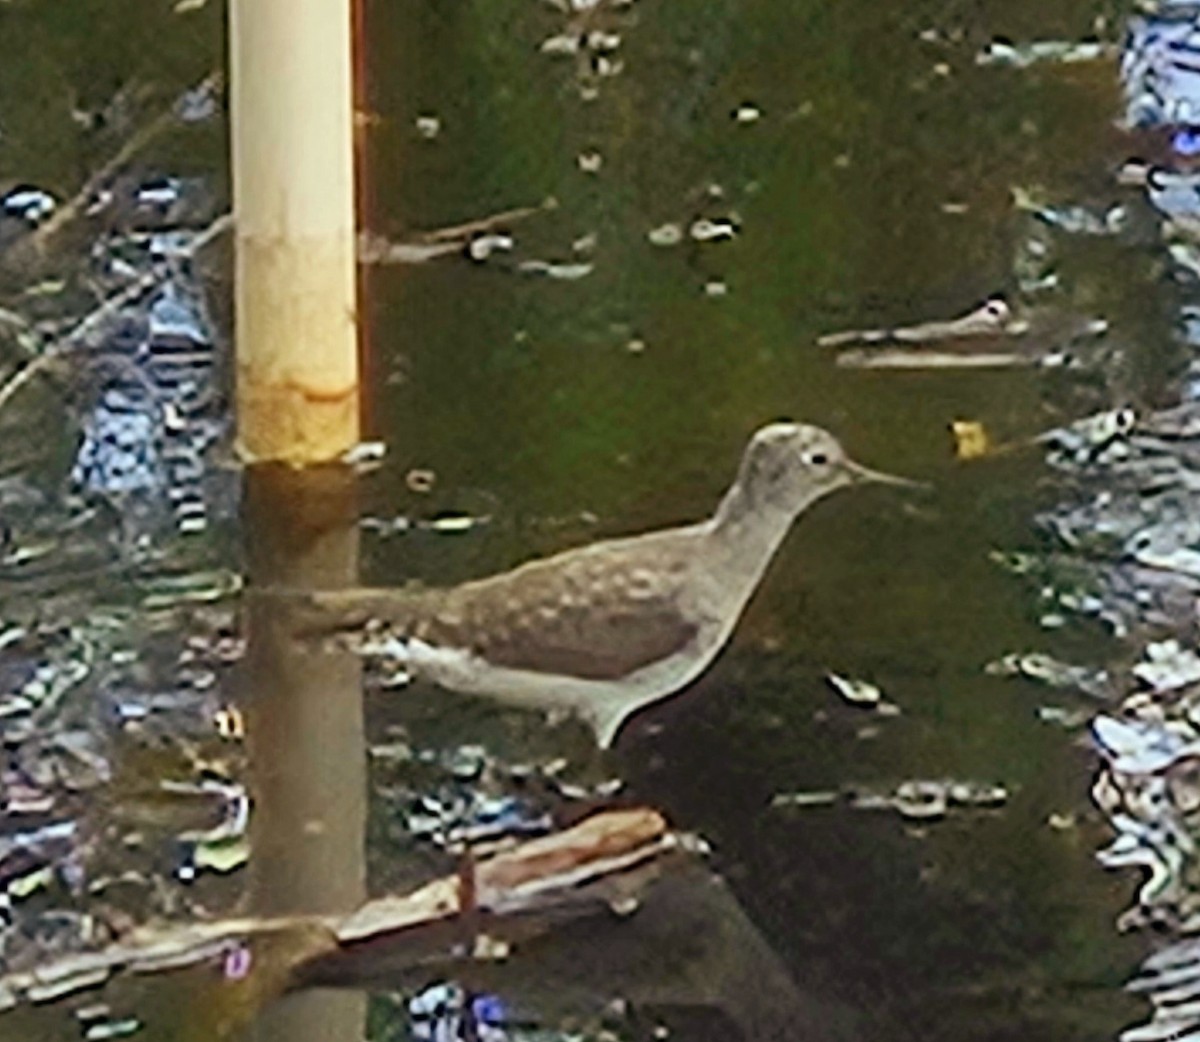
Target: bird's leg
x: 467, y: 900
x: 375, y: 640
x: 391, y: 651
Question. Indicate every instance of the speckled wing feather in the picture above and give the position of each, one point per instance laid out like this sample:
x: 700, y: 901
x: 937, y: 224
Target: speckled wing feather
x: 591, y: 613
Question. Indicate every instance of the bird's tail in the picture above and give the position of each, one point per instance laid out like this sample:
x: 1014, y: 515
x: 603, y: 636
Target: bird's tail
x: 316, y: 614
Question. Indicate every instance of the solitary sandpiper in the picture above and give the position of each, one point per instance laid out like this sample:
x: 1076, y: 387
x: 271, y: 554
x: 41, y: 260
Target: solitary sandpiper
x: 605, y: 629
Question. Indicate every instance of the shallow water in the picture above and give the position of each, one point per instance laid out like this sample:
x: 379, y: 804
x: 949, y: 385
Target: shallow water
x: 873, y: 189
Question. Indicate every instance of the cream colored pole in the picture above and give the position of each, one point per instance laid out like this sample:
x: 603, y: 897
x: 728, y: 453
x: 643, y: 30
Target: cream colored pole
x: 293, y: 186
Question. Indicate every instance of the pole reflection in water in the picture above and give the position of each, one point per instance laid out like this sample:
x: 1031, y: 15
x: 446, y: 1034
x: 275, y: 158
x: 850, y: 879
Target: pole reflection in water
x: 304, y: 730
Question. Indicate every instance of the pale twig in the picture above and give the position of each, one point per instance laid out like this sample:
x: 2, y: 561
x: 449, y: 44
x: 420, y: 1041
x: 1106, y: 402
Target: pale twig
x: 79, y: 334
x: 900, y: 358
x: 440, y: 242
x: 606, y: 859
x: 69, y: 211
x: 460, y: 232
x: 24, y: 334
x: 374, y: 249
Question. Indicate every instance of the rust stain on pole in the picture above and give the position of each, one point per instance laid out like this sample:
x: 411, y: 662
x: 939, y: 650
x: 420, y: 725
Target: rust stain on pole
x: 293, y: 178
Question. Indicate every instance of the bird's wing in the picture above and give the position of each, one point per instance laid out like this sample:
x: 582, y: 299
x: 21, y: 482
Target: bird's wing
x: 588, y: 613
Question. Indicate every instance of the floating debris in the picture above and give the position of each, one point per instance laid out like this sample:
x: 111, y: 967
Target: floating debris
x: 708, y: 230
x: 598, y: 40
x: 1066, y: 718
x: 857, y: 692
x: 745, y: 114
x: 161, y: 592
x: 925, y: 359
x: 565, y: 271
x: 421, y: 480
x: 918, y: 799
x: 562, y: 44
x: 197, y: 105
x: 1022, y: 56
x: 219, y: 855
x: 230, y: 723
x: 921, y: 800
x: 590, y: 35
x: 970, y: 439
x: 1050, y: 671
x: 111, y: 1029
x: 819, y: 798
x: 32, y: 205
x: 444, y: 1012
x: 924, y: 799
x: 1134, y: 746
x: 366, y: 455
x: 387, y: 526
x: 1169, y: 546
x: 159, y: 193
x: 224, y: 847
x: 1074, y: 220
x: 665, y: 235
x: 1079, y: 441
x: 1168, y: 666
x: 481, y: 247
x: 1159, y: 72
x: 606, y: 66
x: 991, y: 318
x: 437, y: 1013
x: 473, y: 820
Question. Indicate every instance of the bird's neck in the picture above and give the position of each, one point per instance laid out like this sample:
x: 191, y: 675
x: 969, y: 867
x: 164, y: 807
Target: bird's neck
x: 750, y: 528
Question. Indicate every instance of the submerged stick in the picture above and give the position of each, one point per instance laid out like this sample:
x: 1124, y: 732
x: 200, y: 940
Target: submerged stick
x: 440, y: 242
x: 606, y: 858
x: 375, y: 249
x: 458, y: 232
x: 990, y: 337
x: 992, y: 318
x: 898, y: 358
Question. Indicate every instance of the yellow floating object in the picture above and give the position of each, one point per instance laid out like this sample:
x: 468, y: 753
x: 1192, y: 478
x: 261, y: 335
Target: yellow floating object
x: 970, y: 439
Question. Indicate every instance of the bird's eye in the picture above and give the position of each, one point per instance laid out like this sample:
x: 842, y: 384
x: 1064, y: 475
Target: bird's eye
x: 818, y: 459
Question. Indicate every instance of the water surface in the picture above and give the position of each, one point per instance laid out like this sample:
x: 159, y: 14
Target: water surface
x: 874, y: 188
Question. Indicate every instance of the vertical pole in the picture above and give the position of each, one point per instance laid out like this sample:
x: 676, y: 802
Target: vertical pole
x: 363, y: 185
x: 293, y: 186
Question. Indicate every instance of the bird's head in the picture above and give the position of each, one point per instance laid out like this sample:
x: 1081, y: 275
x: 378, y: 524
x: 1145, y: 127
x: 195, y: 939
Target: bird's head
x: 791, y: 465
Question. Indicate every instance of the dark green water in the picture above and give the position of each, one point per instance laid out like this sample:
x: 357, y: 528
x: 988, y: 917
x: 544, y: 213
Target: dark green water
x: 521, y: 393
